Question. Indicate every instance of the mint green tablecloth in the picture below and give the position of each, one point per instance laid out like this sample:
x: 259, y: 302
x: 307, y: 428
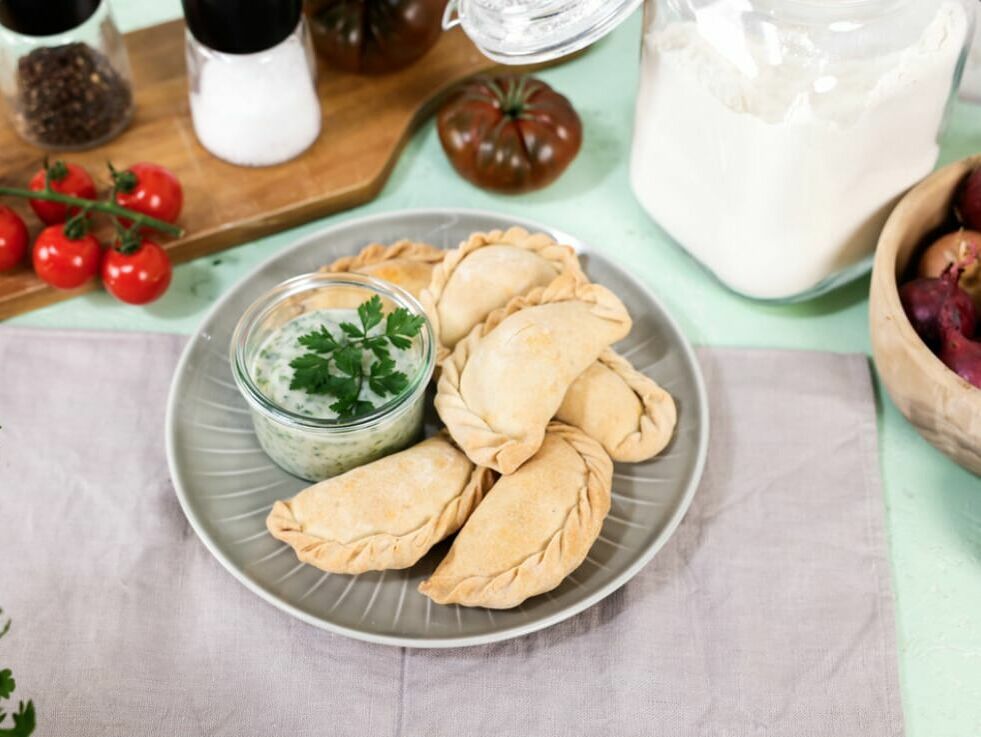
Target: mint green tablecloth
x: 933, y: 507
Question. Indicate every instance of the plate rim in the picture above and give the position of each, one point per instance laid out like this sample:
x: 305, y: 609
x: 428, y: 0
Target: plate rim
x: 170, y: 432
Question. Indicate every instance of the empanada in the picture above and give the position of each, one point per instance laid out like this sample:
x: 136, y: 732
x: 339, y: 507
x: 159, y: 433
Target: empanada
x: 506, y: 379
x: 383, y: 515
x: 408, y: 264
x: 533, y: 528
x: 484, y: 273
x: 624, y: 410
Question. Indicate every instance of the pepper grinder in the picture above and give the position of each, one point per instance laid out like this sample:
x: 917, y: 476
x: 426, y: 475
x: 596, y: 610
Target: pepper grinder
x: 64, y: 72
x: 252, y: 77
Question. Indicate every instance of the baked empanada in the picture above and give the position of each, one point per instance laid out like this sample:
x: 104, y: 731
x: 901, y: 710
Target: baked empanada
x: 627, y: 412
x: 408, y: 264
x: 383, y: 515
x: 484, y: 273
x: 506, y: 379
x: 533, y: 528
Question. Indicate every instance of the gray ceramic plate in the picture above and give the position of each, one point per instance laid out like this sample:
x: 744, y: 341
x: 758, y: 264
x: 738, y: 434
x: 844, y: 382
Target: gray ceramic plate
x: 226, y: 484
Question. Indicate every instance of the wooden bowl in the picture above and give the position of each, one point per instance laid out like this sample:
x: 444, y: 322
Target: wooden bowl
x: 944, y: 408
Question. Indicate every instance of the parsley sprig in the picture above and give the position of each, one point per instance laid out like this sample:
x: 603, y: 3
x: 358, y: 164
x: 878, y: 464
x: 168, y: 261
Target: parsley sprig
x: 335, y: 364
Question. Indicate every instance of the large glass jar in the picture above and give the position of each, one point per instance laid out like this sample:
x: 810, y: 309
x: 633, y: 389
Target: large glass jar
x: 971, y: 85
x: 64, y: 72
x: 771, y: 136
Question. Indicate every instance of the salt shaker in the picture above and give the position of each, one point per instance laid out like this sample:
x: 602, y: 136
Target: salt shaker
x: 64, y: 72
x: 252, y: 79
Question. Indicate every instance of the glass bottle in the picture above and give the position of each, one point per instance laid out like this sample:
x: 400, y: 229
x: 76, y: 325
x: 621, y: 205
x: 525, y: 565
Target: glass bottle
x: 771, y: 137
x: 64, y: 72
x: 252, y: 78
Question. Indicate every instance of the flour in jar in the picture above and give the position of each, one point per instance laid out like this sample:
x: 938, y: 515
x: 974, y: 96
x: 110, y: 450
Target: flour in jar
x: 771, y: 184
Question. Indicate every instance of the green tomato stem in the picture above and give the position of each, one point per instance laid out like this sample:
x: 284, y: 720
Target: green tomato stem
x: 110, y: 208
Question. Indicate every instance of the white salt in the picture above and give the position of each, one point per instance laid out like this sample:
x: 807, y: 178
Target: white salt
x: 255, y: 109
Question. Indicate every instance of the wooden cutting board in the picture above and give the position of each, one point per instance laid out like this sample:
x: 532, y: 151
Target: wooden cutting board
x: 367, y: 120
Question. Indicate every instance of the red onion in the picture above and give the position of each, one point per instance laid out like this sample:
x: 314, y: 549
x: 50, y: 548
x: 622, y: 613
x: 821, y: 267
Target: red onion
x: 924, y: 300
x: 958, y: 352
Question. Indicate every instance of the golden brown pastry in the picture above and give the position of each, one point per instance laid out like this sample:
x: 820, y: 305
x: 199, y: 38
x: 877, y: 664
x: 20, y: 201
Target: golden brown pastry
x: 383, y: 515
x: 485, y: 273
x: 408, y: 264
x: 506, y: 379
x: 627, y: 412
x: 532, y: 530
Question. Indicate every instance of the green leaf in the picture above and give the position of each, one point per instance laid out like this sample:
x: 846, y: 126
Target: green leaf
x: 319, y: 341
x: 349, y: 360
x: 383, y: 367
x: 353, y: 331
x: 7, y: 683
x: 311, y: 373
x: 379, y: 346
x: 370, y: 313
x: 24, y: 721
x: 403, y: 324
x: 394, y: 383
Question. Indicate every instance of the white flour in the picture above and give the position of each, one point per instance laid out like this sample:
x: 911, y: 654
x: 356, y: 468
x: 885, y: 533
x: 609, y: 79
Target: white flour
x: 257, y: 109
x: 774, y: 189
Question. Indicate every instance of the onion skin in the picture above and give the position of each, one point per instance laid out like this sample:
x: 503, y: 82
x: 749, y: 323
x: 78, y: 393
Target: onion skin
x: 925, y: 299
x: 960, y: 354
x: 962, y: 247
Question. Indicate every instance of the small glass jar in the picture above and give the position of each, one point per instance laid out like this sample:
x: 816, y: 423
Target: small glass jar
x: 252, y: 79
x: 315, y: 448
x: 64, y: 73
x: 771, y: 137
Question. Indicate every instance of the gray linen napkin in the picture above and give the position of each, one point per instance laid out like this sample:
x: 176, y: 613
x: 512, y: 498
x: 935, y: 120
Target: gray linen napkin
x: 770, y: 611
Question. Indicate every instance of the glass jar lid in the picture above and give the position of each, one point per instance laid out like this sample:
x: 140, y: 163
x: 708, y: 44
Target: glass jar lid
x: 531, y: 31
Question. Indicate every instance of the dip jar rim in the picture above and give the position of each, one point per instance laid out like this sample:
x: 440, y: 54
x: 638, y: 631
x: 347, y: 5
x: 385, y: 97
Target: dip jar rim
x: 291, y: 288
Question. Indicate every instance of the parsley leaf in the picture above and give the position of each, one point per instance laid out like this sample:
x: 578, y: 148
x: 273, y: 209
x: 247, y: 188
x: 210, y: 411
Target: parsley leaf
x: 340, y: 366
x: 7, y: 683
x: 24, y: 721
x: 370, y: 313
x: 311, y: 373
x: 402, y: 325
x: 320, y: 341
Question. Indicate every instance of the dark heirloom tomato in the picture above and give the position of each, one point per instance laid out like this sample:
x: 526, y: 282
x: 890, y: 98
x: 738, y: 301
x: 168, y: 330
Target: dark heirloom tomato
x: 509, y: 134
x: 374, y: 36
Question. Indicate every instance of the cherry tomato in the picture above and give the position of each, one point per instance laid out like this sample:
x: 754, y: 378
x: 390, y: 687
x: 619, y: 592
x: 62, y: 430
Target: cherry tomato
x: 69, y: 179
x: 138, y: 277
x: 150, y: 189
x: 63, y: 262
x: 13, y: 239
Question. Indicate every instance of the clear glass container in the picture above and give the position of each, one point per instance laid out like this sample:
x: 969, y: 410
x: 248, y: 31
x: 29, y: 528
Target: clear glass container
x: 316, y: 448
x: 771, y: 137
x: 971, y: 84
x: 64, y: 73
x: 253, y: 85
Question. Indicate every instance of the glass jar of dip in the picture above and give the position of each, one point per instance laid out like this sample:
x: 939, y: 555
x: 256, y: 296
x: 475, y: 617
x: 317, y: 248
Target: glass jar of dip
x: 253, y: 79
x: 298, y: 430
x: 771, y: 137
x: 64, y: 72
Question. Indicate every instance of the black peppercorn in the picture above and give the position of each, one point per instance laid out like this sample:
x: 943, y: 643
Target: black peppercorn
x: 71, y: 96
